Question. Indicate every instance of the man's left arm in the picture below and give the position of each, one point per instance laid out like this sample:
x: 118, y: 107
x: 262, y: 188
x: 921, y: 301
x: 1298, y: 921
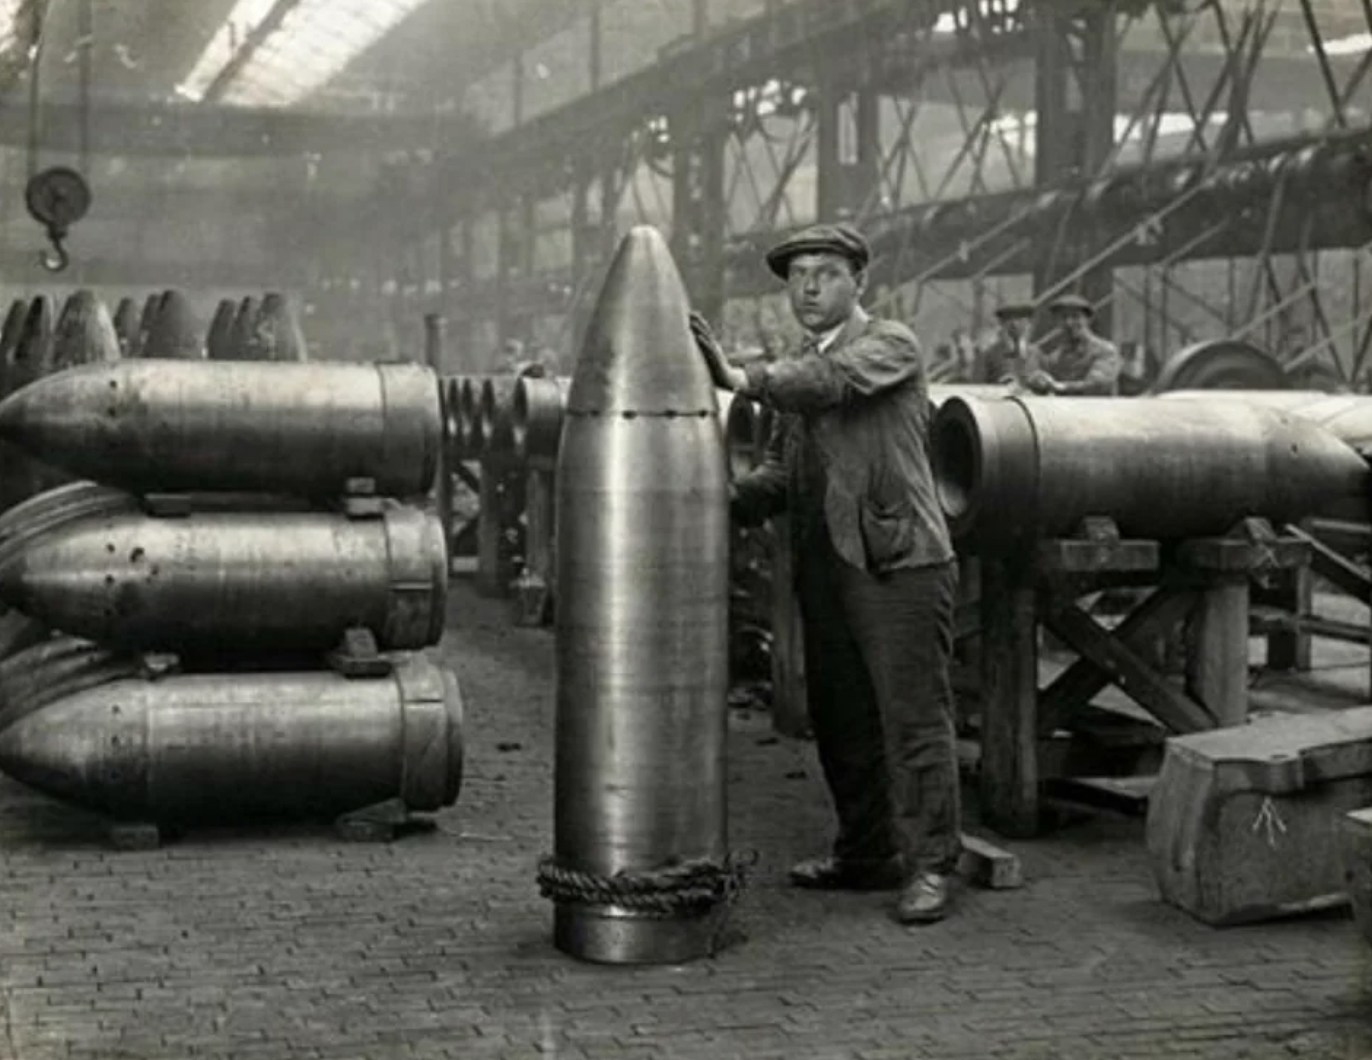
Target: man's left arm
x: 885, y: 357
x: 1102, y: 378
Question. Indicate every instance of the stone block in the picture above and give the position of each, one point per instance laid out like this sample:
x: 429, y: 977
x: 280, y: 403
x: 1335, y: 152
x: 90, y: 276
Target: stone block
x: 1244, y: 822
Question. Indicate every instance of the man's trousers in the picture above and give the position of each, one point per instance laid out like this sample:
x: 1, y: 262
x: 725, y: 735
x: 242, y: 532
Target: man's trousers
x: 877, y: 650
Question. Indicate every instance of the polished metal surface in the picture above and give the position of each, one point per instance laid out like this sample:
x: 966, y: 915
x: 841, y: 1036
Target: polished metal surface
x: 1348, y: 417
x: 236, y: 580
x: 9, y: 339
x: 212, y: 425
x: 494, y: 417
x: 219, y: 341
x: 1220, y: 364
x: 147, y: 320
x: 641, y: 623
x: 450, y: 387
x: 19, y: 631
x: 240, y: 343
x: 175, y: 333
x: 27, y: 359
x: 276, y: 331
x: 45, y: 512
x: 84, y: 334
x: 738, y: 422
x: 31, y: 356
x: 126, y: 326
x: 536, y: 417
x: 1023, y: 467
x: 194, y: 748
x: 56, y: 667
x: 469, y: 413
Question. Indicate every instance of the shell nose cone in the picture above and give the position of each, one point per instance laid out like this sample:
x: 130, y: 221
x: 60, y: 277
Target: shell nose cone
x: 175, y: 334
x: 638, y: 355
x: 85, y: 333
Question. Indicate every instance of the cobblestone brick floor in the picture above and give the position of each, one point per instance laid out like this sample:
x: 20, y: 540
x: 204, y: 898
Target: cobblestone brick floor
x: 293, y: 944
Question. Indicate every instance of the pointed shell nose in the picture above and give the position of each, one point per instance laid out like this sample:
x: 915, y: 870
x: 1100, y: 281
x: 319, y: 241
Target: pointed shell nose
x: 638, y: 357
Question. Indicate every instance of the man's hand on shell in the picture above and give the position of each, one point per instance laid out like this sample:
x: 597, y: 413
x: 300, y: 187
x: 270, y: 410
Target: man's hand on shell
x: 725, y: 375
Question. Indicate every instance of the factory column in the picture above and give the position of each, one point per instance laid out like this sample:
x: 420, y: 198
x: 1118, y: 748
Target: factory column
x: 1075, y: 89
x: 849, y: 152
x: 699, y: 206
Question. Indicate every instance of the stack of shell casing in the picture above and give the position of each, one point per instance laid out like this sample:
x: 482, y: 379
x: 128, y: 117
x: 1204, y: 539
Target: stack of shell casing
x: 232, y: 600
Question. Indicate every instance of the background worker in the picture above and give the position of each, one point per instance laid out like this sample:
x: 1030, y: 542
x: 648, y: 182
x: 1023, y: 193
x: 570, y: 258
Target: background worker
x: 1083, y: 364
x: 1010, y: 357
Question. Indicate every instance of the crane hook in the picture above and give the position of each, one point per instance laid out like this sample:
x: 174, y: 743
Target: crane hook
x: 57, y: 258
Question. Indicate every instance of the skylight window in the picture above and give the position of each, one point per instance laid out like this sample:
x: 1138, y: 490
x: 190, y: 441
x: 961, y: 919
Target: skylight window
x: 11, y: 26
x: 314, y: 42
x: 1352, y: 45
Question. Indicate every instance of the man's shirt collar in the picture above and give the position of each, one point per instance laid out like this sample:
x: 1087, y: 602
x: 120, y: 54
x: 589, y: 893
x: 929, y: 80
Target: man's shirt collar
x: 825, y: 339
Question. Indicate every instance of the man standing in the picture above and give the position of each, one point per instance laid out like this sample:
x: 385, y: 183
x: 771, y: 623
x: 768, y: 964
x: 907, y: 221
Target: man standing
x: 1084, y: 363
x: 849, y: 459
x: 1010, y: 357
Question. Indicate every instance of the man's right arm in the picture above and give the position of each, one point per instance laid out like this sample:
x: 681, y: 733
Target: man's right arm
x: 757, y: 496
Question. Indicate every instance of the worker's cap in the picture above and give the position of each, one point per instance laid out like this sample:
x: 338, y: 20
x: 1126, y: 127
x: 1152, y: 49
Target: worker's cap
x: 840, y: 239
x: 1015, y: 311
x: 1073, y: 303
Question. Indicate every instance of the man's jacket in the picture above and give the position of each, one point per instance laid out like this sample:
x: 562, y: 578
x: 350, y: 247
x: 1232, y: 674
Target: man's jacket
x: 1092, y: 365
x: 999, y: 360
x: 855, y: 427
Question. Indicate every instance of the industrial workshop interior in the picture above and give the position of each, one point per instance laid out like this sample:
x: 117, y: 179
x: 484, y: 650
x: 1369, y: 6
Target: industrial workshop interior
x: 686, y: 529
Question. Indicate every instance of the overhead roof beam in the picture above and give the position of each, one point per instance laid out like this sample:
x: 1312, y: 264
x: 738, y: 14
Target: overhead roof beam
x: 188, y: 131
x: 238, y: 62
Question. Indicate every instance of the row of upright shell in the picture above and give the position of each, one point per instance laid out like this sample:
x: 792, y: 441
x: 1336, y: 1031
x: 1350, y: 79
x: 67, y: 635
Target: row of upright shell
x: 220, y: 607
x: 166, y: 327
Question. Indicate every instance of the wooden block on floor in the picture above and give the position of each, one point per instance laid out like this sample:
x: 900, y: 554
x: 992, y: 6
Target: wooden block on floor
x: 1243, y: 823
x: 987, y: 865
x: 1355, y: 839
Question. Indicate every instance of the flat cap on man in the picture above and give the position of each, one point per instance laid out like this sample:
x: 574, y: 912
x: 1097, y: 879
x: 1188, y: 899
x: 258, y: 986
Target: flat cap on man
x: 840, y: 238
x: 1073, y: 303
x: 1015, y: 310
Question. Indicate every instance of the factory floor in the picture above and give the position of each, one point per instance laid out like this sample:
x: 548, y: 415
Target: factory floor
x: 294, y: 944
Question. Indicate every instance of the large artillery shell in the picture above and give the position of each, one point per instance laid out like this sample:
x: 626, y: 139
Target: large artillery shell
x: 45, y: 512
x: 217, y: 582
x: 147, y: 320
x: 1023, y: 467
x: 174, y: 334
x: 276, y: 330
x: 1220, y: 364
x: 450, y: 387
x: 9, y: 341
x: 469, y: 413
x: 738, y: 421
x: 57, y: 667
x: 253, y: 427
x: 22, y: 474
x: 126, y: 326
x: 85, y: 333
x: 219, y: 340
x: 242, y: 344
x: 536, y: 418
x: 642, y: 614
x: 494, y: 417
x: 1348, y: 417
x: 198, y: 748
